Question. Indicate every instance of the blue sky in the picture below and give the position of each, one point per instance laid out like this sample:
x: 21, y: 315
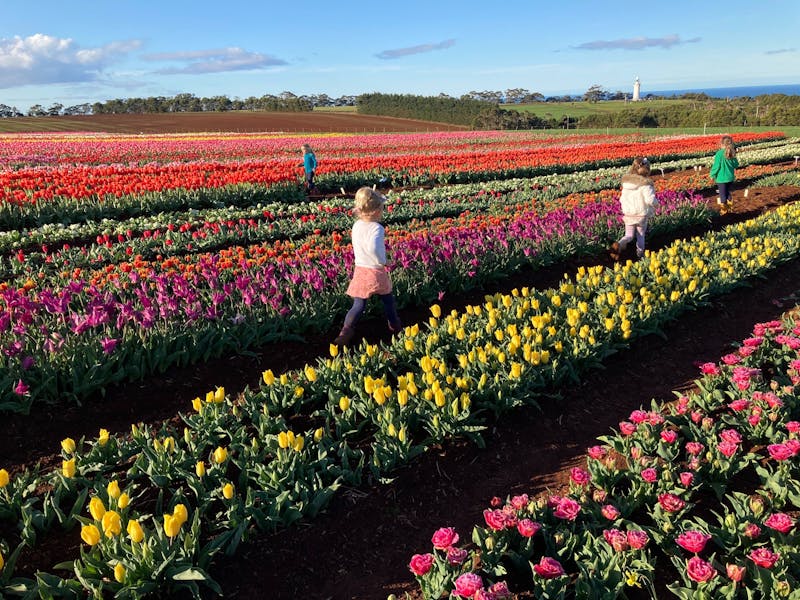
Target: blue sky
x: 52, y: 51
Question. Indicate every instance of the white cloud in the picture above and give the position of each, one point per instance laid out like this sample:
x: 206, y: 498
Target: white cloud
x: 43, y: 59
x: 214, y: 61
x: 400, y: 52
x: 637, y: 43
x: 781, y: 51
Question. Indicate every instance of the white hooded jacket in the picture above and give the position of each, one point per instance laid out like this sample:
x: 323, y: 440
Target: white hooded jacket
x: 638, y: 199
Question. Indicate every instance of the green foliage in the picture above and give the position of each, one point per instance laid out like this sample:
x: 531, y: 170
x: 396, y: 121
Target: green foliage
x: 461, y: 111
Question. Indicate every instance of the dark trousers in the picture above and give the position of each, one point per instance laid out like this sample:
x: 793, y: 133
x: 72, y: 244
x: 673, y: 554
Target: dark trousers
x: 360, y: 304
x: 725, y: 191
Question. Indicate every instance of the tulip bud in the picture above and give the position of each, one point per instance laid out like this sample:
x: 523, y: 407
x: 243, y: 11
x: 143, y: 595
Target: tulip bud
x: 102, y: 438
x: 68, y: 468
x: 96, y: 508
x: 757, y: 505
x: 268, y: 377
x: 113, y: 489
x: 4, y: 478
x: 135, y: 531
x: 123, y: 500
x: 344, y: 403
x: 220, y: 455
x: 318, y: 433
x: 171, y: 526
x: 200, y: 468
x: 90, y: 534
x: 180, y: 513
x: 68, y: 445
x: 227, y: 491
x: 119, y: 572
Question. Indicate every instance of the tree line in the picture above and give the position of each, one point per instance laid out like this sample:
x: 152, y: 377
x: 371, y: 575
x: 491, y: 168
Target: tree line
x: 699, y: 110
x: 486, y: 109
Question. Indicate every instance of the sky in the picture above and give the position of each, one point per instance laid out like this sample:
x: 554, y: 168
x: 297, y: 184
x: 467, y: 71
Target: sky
x: 53, y: 51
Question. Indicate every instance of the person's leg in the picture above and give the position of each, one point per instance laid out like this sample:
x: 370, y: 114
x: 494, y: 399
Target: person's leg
x: 350, y: 320
x: 390, y: 310
x: 640, y: 232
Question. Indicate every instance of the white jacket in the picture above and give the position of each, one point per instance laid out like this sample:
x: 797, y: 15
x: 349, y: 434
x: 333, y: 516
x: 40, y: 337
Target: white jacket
x: 638, y: 199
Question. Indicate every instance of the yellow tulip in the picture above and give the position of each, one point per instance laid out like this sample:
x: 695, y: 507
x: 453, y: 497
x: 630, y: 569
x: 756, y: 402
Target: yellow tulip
x: 299, y: 391
x: 318, y: 434
x: 4, y: 478
x: 220, y: 455
x: 90, y: 534
x: 96, y: 508
x: 401, y: 435
x: 209, y: 397
x: 2, y: 561
x: 344, y: 403
x: 334, y: 350
x: 227, y: 491
x: 172, y: 526
x: 408, y: 344
x: 219, y: 395
x: 299, y: 443
x: 283, y: 440
x: 268, y: 377
x: 197, y: 405
x: 372, y: 349
x: 123, y: 500
x: 135, y: 531
x: 169, y: 444
x: 516, y: 370
x: 119, y: 572
x: 113, y: 489
x: 68, y: 468
x: 311, y: 373
x: 391, y: 431
x: 68, y: 445
x: 284, y: 379
x: 379, y: 396
x: 402, y: 397
x: 180, y: 513
x: 369, y: 384
x: 102, y: 437
x: 200, y: 468
x: 112, y: 524
x: 436, y: 311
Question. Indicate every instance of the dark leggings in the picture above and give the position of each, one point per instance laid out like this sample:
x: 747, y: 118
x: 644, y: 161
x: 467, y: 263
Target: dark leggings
x: 360, y: 304
x: 725, y: 191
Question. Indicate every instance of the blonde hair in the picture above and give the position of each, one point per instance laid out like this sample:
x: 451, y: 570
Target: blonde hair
x: 640, y: 166
x: 727, y: 144
x: 368, y: 203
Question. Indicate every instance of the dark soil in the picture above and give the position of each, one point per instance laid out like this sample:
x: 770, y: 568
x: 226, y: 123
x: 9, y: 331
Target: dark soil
x: 360, y: 547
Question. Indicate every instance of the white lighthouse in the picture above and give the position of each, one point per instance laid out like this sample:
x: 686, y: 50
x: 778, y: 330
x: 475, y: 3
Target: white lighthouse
x: 636, y: 86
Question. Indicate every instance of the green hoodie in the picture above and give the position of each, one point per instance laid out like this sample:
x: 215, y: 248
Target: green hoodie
x: 722, y: 169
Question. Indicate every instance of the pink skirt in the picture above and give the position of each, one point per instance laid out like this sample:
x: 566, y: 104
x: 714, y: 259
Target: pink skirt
x: 368, y: 281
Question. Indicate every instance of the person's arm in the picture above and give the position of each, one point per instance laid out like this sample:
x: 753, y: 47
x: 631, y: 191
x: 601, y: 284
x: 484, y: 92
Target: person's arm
x: 715, y: 167
x: 380, y: 244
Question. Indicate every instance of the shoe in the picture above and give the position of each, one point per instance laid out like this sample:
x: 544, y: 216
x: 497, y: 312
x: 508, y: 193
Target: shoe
x: 394, y: 328
x: 344, y: 337
x: 614, y: 251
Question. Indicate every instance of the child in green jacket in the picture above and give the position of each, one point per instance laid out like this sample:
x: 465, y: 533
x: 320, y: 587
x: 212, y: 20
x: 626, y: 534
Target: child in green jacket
x: 722, y: 171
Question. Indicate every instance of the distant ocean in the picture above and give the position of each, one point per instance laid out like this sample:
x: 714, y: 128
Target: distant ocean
x: 732, y: 92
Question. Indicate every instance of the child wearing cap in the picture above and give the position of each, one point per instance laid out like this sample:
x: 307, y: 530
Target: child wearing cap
x: 370, y: 275
x: 637, y: 200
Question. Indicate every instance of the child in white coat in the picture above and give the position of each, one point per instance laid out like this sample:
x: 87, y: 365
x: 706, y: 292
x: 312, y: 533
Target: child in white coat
x: 637, y: 200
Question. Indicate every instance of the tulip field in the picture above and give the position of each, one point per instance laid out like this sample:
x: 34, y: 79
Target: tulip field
x: 126, y: 258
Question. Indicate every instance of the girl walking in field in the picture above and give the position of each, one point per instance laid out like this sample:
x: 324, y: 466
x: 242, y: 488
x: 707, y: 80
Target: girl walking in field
x: 370, y: 275
x: 637, y: 200
x: 309, y: 167
x: 722, y: 172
